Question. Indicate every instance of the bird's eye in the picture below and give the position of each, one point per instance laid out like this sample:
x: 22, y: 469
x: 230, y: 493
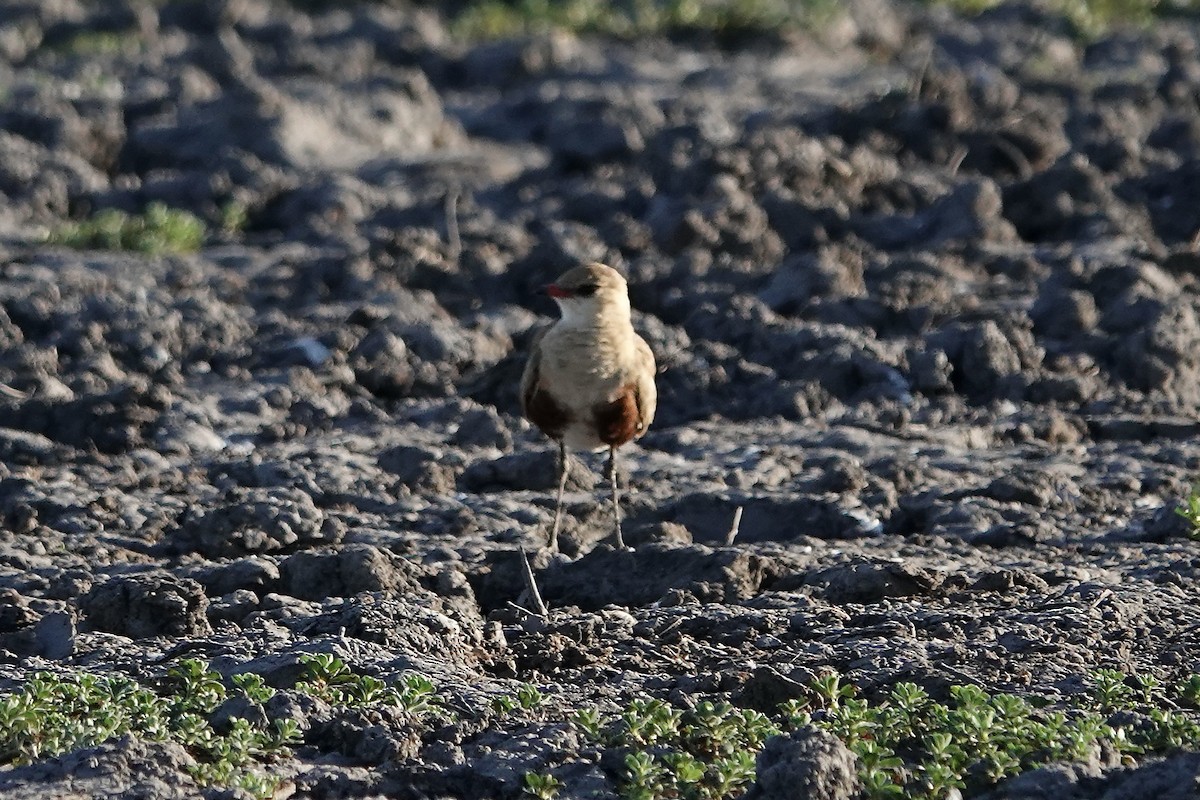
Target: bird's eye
x: 587, y: 291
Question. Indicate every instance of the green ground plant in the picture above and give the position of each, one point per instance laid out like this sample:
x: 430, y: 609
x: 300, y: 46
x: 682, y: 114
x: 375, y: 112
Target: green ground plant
x: 489, y: 19
x: 92, y: 43
x: 542, y: 786
x: 1093, y: 17
x: 235, y: 216
x: 55, y: 714
x: 527, y: 698
x: 907, y: 744
x: 1189, y: 509
x: 157, y: 230
x: 332, y: 680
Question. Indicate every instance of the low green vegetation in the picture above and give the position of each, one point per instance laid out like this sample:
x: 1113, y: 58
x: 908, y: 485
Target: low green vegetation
x: 907, y: 744
x: 489, y: 19
x: 234, y: 216
x: 92, y: 43
x: 1190, y: 511
x: 1093, y: 17
x: 528, y: 698
x: 55, y: 714
x: 330, y: 679
x: 543, y: 786
x: 706, y: 752
x: 157, y: 230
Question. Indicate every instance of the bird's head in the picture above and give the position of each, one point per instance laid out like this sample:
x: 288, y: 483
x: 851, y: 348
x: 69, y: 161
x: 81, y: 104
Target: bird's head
x: 590, y: 291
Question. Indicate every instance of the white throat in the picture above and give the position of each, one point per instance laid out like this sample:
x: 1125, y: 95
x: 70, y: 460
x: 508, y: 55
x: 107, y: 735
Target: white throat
x: 578, y: 312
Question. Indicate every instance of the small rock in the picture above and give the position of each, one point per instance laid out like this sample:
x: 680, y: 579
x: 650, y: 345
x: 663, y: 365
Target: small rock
x: 141, y: 606
x: 255, y: 520
x: 120, y: 767
x: 808, y: 763
x: 346, y: 572
x: 869, y: 582
x: 381, y: 364
x: 482, y: 427
x: 254, y: 574
x: 54, y: 636
x: 1064, y: 313
x: 234, y: 606
x: 422, y: 468
x: 665, y: 532
x: 313, y: 352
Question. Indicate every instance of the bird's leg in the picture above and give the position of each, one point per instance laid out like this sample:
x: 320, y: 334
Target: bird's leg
x: 563, y: 469
x: 616, y: 497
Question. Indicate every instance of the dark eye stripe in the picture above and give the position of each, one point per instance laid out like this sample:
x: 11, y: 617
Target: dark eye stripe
x: 586, y: 291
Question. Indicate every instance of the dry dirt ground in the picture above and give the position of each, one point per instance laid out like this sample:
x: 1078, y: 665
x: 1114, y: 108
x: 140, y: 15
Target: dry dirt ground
x: 923, y: 291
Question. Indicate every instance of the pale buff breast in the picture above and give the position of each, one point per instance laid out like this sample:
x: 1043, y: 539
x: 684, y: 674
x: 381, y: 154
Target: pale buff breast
x: 583, y: 367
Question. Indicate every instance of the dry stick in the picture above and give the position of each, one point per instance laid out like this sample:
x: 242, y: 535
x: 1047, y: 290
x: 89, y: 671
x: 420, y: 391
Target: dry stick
x: 733, y: 529
x: 452, y: 236
x: 535, y: 596
x: 956, y: 159
x: 918, y: 83
x: 1015, y: 156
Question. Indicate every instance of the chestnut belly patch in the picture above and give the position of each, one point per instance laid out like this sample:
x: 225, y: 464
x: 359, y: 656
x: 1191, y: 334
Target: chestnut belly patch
x: 618, y: 421
x: 551, y: 417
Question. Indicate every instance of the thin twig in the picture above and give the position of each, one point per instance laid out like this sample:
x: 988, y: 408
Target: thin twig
x: 956, y: 159
x: 535, y: 596
x: 733, y: 529
x: 918, y: 82
x: 520, y: 608
x: 452, y: 236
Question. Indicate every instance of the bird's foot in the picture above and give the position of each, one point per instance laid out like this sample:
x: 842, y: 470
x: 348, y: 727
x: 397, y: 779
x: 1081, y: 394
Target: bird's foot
x: 618, y: 540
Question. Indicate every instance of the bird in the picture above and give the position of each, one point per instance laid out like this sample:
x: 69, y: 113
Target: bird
x: 589, y: 381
